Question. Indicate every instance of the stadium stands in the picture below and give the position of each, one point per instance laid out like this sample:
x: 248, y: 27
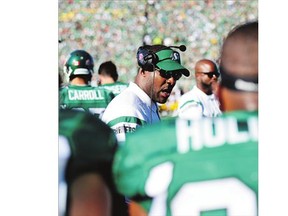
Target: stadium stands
x: 114, y: 30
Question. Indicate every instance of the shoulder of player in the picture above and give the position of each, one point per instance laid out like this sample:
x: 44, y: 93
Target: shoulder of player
x: 121, y: 83
x: 154, y: 129
x: 103, y: 89
x: 120, y: 110
x: 240, y: 114
x: 63, y: 88
x: 188, y: 96
x: 121, y: 104
x: 146, y: 140
x: 76, y: 121
x: 128, y: 96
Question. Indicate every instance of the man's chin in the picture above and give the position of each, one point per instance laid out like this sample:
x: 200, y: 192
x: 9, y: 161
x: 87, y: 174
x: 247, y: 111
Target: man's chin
x: 162, y: 100
x: 163, y: 97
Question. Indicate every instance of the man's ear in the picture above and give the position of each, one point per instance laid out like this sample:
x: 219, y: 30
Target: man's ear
x: 142, y: 72
x: 196, y: 75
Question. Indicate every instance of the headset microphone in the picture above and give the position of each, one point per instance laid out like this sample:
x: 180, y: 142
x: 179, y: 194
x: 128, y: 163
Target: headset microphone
x: 181, y: 47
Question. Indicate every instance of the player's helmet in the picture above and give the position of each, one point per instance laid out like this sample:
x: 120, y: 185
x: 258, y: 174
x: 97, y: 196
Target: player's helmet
x: 79, y: 62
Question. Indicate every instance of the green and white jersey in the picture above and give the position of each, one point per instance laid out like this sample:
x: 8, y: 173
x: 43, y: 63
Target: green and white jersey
x: 116, y: 87
x: 86, y: 144
x: 203, y: 167
x: 131, y: 109
x: 86, y: 98
x: 196, y: 104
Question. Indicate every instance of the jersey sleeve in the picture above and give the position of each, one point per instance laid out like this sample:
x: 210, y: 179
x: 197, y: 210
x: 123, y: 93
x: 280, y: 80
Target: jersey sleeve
x: 62, y: 98
x: 122, y: 119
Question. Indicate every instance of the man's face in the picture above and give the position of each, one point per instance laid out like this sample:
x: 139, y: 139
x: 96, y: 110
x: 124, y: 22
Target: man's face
x: 163, y: 85
x: 206, y: 75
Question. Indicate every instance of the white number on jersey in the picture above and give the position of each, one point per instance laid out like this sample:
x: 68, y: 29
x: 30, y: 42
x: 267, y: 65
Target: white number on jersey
x: 195, y: 197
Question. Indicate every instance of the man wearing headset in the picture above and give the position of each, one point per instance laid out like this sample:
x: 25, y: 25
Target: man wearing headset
x: 136, y: 106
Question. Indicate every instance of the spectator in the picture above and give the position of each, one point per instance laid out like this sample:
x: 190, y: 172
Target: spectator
x: 86, y: 151
x: 79, y: 94
x: 201, y: 101
x: 108, y: 78
x: 137, y: 105
x: 201, y: 166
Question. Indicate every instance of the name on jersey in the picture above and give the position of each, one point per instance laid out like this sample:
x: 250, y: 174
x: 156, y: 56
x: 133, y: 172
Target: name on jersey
x: 84, y: 94
x: 205, y: 133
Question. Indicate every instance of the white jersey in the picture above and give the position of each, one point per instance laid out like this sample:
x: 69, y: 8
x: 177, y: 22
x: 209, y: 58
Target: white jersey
x: 196, y: 104
x: 131, y: 109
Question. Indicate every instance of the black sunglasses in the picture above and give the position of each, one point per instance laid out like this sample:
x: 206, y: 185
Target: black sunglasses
x: 211, y: 74
x: 168, y: 74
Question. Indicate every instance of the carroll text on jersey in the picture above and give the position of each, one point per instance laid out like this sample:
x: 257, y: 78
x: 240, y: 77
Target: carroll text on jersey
x: 85, y: 95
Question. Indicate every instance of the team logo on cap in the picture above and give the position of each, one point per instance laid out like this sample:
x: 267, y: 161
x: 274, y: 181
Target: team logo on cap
x: 175, y: 56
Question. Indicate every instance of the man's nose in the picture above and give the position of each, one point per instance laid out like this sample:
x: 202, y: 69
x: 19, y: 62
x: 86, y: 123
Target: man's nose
x: 172, y: 81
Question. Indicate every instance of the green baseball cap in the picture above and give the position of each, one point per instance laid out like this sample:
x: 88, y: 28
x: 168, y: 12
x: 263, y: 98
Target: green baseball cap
x: 169, y: 60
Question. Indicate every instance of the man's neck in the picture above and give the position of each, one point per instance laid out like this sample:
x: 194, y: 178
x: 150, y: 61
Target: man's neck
x: 107, y: 80
x: 206, y: 89
x: 78, y: 81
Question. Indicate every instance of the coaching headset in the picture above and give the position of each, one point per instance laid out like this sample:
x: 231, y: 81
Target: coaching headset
x: 148, y: 59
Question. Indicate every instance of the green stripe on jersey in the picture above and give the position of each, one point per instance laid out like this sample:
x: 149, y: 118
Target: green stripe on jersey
x: 191, y: 101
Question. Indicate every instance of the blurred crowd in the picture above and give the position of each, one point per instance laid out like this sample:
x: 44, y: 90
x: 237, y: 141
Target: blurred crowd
x: 113, y: 30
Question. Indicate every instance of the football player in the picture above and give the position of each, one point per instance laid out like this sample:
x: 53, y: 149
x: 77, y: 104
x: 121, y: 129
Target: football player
x: 86, y: 150
x: 79, y: 94
x: 108, y: 78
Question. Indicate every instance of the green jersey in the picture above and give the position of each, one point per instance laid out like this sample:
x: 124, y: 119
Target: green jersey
x: 116, y: 87
x: 183, y: 167
x: 85, y: 98
x: 86, y: 144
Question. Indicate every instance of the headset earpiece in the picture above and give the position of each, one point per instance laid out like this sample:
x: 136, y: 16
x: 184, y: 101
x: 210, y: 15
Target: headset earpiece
x: 146, y: 59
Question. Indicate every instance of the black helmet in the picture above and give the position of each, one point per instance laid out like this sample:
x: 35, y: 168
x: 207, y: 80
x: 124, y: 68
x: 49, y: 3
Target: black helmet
x: 79, y: 62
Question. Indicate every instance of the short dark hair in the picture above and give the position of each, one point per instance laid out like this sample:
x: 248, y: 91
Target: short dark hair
x: 109, y: 69
x: 247, y: 34
x: 248, y: 29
